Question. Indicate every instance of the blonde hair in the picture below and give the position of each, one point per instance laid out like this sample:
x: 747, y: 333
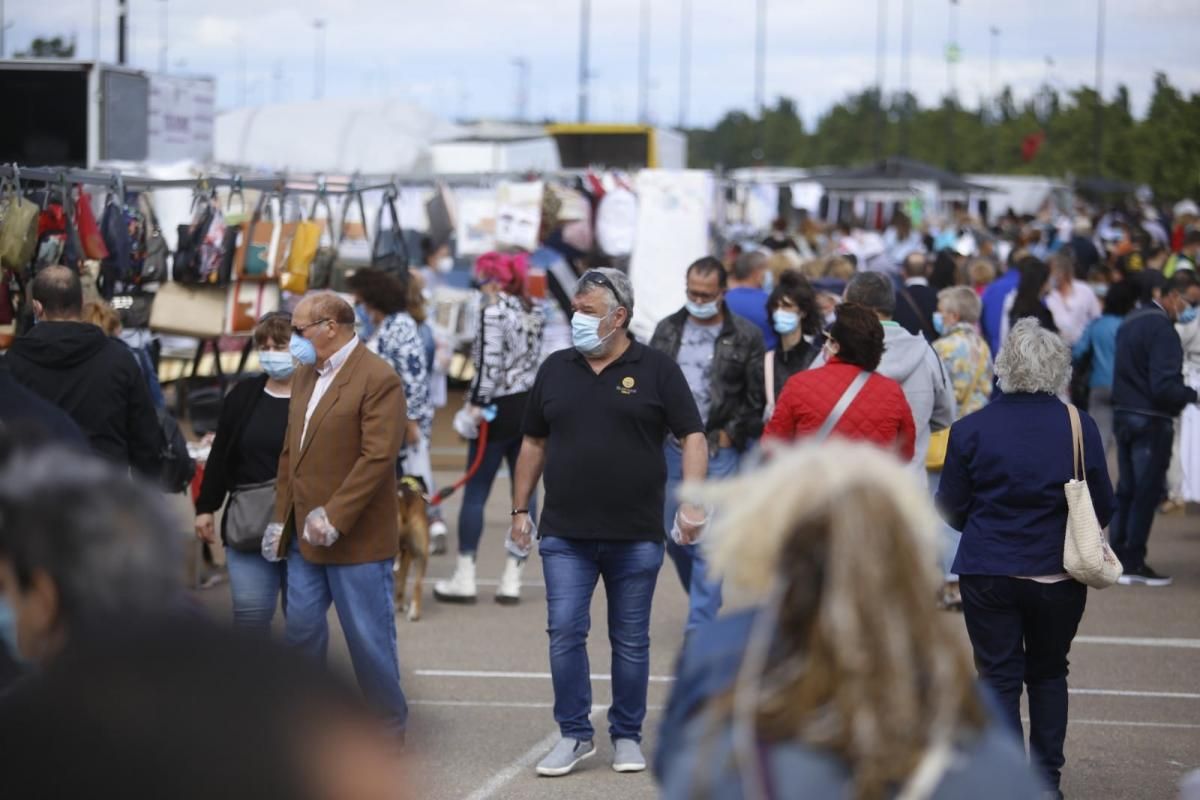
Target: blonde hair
x: 840, y: 268
x: 863, y: 664
x: 102, y: 315
x: 981, y: 272
x: 781, y: 261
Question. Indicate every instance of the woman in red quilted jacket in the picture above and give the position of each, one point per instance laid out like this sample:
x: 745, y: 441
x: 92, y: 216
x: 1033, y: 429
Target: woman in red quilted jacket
x: 879, y: 413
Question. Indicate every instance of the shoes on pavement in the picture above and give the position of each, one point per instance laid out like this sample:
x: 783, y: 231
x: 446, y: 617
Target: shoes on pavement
x: 509, y: 591
x: 565, y: 755
x: 437, y: 538
x: 627, y: 756
x: 461, y: 586
x: 1144, y: 576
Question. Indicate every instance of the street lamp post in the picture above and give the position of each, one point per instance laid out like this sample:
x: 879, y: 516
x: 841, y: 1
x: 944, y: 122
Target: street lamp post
x: 685, y: 59
x: 319, y: 60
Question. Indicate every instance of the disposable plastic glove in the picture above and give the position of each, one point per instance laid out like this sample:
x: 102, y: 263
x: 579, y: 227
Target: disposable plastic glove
x: 270, y: 542
x: 318, y: 530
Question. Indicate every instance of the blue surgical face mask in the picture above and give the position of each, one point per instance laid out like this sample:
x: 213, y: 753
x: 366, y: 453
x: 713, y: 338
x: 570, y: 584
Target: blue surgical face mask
x: 365, y: 326
x: 768, y: 281
x: 279, y: 366
x: 585, y: 333
x: 704, y: 310
x: 785, y: 321
x: 302, y: 350
x: 8, y: 629
x: 1188, y: 316
x: 1101, y: 290
x: 939, y: 323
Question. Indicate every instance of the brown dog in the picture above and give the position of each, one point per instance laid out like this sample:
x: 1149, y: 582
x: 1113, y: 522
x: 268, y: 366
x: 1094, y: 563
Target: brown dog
x: 414, y: 542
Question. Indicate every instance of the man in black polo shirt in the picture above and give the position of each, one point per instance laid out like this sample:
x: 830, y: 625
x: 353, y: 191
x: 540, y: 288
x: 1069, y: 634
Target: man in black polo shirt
x: 595, y: 423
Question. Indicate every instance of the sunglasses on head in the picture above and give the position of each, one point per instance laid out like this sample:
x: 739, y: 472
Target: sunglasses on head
x: 598, y: 279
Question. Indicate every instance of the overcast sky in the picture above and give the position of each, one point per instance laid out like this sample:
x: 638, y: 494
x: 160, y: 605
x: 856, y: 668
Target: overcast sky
x: 455, y: 57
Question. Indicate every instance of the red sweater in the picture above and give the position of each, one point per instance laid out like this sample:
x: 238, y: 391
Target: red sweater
x: 879, y: 413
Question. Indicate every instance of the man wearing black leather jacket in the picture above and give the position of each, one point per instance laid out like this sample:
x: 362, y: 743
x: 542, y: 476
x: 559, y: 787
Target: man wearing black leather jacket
x: 721, y: 355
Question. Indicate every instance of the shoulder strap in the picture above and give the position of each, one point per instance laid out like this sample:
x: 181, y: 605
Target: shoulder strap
x: 926, y: 325
x: 1076, y: 441
x: 835, y: 416
x: 769, y: 377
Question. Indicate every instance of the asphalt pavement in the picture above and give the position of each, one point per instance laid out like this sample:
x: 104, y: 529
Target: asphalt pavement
x: 478, y: 680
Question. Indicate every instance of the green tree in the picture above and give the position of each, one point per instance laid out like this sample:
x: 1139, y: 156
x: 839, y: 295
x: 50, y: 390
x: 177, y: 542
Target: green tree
x: 46, y: 47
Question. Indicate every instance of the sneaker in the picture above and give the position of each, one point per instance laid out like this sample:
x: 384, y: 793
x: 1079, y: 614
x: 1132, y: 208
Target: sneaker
x: 627, y: 756
x: 565, y: 755
x: 437, y: 538
x: 1144, y: 576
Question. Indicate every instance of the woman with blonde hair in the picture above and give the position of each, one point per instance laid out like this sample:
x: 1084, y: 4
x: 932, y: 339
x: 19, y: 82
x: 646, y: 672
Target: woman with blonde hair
x: 844, y: 681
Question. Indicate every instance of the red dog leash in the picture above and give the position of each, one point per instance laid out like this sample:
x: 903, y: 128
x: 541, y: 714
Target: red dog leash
x: 446, y: 491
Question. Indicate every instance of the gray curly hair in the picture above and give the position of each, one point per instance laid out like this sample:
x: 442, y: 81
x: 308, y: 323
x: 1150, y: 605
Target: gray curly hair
x: 1033, y: 360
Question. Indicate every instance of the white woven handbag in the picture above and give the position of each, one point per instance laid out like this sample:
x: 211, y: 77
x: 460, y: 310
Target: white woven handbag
x: 1086, y: 555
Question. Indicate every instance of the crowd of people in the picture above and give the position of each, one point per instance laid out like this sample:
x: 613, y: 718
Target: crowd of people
x: 896, y: 373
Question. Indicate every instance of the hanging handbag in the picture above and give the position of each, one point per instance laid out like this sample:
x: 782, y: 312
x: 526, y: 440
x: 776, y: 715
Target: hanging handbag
x: 197, y: 311
x: 245, y: 304
x: 186, y: 262
x: 1087, y: 556
x: 305, y: 244
x: 117, y: 267
x: 260, y: 242
x: 247, y: 516
x: 390, y: 252
x: 155, y: 250
x: 212, y: 246
x: 94, y: 246
x: 18, y: 227
x: 320, y: 273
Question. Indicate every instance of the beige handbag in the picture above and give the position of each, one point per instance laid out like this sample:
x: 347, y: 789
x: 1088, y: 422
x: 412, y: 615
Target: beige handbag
x: 1087, y: 556
x: 189, y: 310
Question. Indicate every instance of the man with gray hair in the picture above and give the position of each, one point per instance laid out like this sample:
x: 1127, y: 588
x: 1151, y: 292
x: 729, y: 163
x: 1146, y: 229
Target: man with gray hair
x: 594, y: 428
x: 82, y: 546
x: 909, y: 360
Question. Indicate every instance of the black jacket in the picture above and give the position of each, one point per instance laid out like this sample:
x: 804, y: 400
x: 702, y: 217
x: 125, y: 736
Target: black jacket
x: 236, y: 410
x: 29, y: 415
x: 919, y: 320
x: 738, y: 398
x: 96, y: 380
x: 1148, y: 366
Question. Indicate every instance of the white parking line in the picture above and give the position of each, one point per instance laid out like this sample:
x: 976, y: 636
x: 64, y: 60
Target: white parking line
x: 523, y: 762
x: 1138, y: 641
x: 485, y: 673
x: 501, y: 675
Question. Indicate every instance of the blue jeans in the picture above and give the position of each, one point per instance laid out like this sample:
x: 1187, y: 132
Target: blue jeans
x: 704, y: 595
x: 256, y: 585
x: 363, y: 597
x: 1021, y: 633
x: 630, y: 571
x: 1144, y: 446
x: 475, y: 496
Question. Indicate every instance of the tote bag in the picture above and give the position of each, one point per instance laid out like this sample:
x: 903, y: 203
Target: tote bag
x: 1087, y: 556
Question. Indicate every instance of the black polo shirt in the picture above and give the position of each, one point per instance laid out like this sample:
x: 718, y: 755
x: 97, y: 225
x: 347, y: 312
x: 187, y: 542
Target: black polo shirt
x: 605, y: 473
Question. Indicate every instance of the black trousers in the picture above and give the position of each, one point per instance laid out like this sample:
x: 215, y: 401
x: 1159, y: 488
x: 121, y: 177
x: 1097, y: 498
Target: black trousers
x: 1021, y: 632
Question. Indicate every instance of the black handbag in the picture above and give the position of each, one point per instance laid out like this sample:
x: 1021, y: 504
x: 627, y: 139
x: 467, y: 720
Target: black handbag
x: 133, y: 308
x: 247, y: 515
x: 186, y: 265
x: 390, y: 252
x: 155, y: 250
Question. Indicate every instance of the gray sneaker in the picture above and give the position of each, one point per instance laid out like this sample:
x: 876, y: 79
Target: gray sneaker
x: 627, y: 756
x: 565, y: 755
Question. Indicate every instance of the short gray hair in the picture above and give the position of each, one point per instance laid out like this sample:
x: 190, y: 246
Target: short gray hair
x: 963, y: 301
x: 621, y: 298
x: 749, y: 263
x: 108, y: 543
x: 873, y: 290
x: 1033, y: 360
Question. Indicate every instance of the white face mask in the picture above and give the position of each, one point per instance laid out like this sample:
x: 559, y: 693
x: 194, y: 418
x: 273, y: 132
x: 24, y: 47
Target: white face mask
x: 444, y: 264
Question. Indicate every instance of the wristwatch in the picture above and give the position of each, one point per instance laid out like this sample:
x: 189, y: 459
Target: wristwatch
x: 517, y: 511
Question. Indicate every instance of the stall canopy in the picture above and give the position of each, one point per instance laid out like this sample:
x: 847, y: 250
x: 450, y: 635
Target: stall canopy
x: 379, y: 137
x: 898, y: 175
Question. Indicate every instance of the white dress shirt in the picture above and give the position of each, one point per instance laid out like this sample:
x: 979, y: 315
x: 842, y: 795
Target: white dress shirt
x: 325, y: 375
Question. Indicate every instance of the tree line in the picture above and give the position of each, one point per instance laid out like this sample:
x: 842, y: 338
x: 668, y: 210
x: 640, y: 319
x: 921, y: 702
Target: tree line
x: 1052, y: 133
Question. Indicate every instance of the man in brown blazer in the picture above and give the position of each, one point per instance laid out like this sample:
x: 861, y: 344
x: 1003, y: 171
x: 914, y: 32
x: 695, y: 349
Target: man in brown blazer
x: 335, y: 508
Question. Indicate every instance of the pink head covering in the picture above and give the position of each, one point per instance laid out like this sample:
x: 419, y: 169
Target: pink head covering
x: 507, y: 269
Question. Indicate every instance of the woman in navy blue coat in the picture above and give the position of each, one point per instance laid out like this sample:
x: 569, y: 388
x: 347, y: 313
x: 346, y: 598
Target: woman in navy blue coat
x: 1002, y: 486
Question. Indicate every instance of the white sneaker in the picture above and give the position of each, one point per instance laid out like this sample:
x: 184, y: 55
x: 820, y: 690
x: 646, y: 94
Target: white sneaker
x: 509, y: 591
x: 437, y: 537
x: 461, y: 586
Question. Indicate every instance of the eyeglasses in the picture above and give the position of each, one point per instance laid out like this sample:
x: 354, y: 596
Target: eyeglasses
x: 299, y: 331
